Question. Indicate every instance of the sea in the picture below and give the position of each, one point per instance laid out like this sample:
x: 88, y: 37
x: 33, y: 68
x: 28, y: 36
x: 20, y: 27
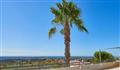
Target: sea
x: 6, y: 58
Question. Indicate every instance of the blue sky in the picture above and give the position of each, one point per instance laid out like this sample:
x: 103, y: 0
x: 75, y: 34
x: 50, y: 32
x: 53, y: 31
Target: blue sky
x: 25, y: 25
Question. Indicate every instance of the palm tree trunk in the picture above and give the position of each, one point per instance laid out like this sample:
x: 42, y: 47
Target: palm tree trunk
x: 67, y: 43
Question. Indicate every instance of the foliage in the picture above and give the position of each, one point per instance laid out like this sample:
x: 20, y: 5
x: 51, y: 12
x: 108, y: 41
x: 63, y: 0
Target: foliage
x: 95, y: 60
x: 66, y: 11
x: 104, y: 56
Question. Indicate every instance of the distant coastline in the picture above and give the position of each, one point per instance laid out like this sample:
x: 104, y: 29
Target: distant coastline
x: 41, y: 57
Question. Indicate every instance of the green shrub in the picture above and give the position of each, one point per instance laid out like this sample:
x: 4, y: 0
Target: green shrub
x: 104, y: 56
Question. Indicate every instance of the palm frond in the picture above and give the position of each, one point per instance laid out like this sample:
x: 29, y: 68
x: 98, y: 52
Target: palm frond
x: 71, y: 6
x: 62, y: 31
x: 73, y: 10
x: 80, y: 26
x: 51, y: 32
x: 59, y: 6
x: 58, y: 19
x: 84, y: 29
x: 76, y: 12
x: 55, y: 11
x: 71, y: 22
x: 63, y: 1
x: 67, y: 12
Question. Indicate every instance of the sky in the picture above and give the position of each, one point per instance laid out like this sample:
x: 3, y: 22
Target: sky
x: 25, y: 25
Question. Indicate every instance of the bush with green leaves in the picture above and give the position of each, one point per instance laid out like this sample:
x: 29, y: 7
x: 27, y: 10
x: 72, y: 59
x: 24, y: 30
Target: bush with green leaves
x: 105, y: 56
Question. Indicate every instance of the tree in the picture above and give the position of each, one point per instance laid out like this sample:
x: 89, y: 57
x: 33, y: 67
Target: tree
x: 95, y: 60
x: 104, y: 55
x: 66, y: 14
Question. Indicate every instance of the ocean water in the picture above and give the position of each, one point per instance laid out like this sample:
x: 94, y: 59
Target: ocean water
x: 5, y: 58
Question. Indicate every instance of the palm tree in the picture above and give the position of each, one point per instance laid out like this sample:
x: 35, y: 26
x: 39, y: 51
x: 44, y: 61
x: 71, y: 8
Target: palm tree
x: 66, y: 14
